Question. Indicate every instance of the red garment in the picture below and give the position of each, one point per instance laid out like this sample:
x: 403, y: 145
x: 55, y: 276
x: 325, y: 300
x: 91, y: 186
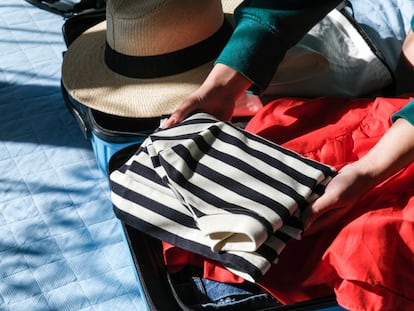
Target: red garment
x: 368, y: 259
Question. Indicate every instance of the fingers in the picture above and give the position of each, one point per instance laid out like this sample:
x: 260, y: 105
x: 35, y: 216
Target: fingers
x: 313, y: 212
x: 179, y: 115
x: 172, y: 120
x: 322, y: 211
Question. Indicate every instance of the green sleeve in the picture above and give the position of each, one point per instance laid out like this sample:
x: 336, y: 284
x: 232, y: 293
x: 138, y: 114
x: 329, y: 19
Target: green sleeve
x: 412, y: 23
x: 265, y: 30
x: 407, y: 112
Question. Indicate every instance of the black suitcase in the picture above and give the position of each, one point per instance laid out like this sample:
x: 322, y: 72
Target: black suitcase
x: 159, y: 287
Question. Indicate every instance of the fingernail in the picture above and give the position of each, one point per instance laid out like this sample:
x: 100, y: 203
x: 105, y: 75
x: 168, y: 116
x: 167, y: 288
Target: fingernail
x: 168, y: 122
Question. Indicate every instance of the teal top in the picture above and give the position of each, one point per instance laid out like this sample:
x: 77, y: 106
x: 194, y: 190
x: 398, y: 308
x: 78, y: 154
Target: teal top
x: 265, y: 30
x: 407, y: 112
x: 412, y: 23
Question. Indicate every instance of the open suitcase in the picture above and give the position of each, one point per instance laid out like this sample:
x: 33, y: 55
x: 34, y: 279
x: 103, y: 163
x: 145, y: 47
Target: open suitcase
x: 114, y: 140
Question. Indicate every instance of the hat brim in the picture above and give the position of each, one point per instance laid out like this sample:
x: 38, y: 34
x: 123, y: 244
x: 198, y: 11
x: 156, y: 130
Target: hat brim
x: 88, y: 80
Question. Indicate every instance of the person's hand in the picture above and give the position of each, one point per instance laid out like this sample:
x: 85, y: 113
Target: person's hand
x: 216, y: 96
x: 340, y: 196
x: 393, y: 152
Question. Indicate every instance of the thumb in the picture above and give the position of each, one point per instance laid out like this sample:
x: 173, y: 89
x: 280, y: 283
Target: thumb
x: 318, y: 213
x: 312, y: 212
x: 175, y: 118
x: 186, y: 108
x: 172, y: 120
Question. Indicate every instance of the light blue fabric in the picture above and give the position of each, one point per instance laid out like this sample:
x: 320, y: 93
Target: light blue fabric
x: 216, y: 296
x: 386, y: 22
x: 204, y: 294
x: 61, y: 248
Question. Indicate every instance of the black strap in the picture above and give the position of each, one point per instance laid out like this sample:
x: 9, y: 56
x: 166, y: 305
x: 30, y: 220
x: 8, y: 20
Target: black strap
x: 145, y: 67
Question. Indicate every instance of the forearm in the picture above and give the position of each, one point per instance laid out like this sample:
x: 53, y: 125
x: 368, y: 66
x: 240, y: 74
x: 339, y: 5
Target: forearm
x: 266, y: 30
x: 393, y: 152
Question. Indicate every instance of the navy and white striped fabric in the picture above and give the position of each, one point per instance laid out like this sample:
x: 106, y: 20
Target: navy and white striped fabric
x: 219, y: 191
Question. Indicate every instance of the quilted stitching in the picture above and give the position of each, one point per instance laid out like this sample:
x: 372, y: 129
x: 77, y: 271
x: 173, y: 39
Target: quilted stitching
x: 60, y: 245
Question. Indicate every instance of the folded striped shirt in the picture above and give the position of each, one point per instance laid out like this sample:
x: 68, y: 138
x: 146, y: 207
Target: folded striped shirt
x: 219, y: 191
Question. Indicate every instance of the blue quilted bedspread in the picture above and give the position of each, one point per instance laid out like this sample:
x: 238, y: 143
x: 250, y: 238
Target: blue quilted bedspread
x: 61, y: 248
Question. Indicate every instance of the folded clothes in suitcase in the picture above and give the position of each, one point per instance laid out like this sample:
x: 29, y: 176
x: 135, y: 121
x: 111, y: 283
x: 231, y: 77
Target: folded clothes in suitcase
x: 161, y: 288
x: 214, y: 189
x: 182, y: 291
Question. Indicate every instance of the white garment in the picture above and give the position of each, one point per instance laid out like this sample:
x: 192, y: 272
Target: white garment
x: 335, y: 58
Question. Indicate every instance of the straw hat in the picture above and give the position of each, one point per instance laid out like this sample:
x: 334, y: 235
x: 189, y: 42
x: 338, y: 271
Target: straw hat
x: 147, y: 56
